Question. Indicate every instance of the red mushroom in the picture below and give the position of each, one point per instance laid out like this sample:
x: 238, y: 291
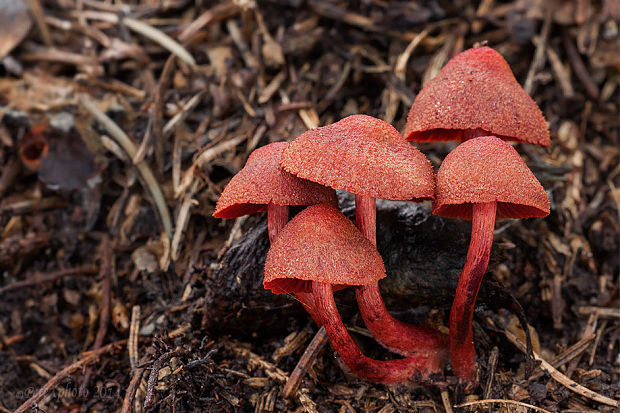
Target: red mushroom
x: 368, y: 157
x: 475, y: 94
x: 320, y: 249
x: 482, y: 179
x: 262, y: 184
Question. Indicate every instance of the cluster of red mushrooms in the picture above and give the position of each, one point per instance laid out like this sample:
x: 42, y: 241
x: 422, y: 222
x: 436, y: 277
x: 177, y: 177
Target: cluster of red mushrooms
x: 474, y: 99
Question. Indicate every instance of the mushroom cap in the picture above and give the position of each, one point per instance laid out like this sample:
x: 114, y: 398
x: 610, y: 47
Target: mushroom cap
x: 262, y: 181
x: 475, y: 90
x: 364, y: 156
x: 487, y: 169
x: 321, y: 244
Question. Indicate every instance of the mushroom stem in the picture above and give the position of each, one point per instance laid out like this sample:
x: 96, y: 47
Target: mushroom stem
x: 462, y: 351
x: 468, y: 134
x: 277, y: 218
x: 366, y: 217
x: 391, y: 371
x: 402, y: 338
x: 307, y: 302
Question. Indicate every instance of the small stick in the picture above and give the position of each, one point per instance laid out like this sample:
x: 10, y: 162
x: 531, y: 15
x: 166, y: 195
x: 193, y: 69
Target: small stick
x: 134, y: 329
x: 399, y: 71
x: 493, y: 362
x: 589, y: 330
x: 489, y: 401
x: 558, y: 376
x: 146, y: 139
x: 131, y: 390
x: 235, y: 233
x: 561, y: 74
x: 305, y: 362
x: 557, y: 302
x: 4, y: 342
x: 483, y: 10
x: 403, y: 58
x: 60, y: 56
x: 183, y: 219
x: 107, y: 265
x: 147, y: 31
x: 271, y: 88
x: 193, y: 257
x: 567, y: 355
x: 602, y: 312
x: 333, y: 91
x: 439, y: 58
x: 28, y: 206
x: 88, y: 358
x: 205, y: 157
x: 580, y: 69
x: 144, y: 170
x: 37, y: 278
x: 539, y: 54
x: 154, y: 132
x: 271, y: 370
x: 309, y: 117
x: 445, y: 399
x: 217, y: 13
x: 599, y: 333
x: 107, y: 261
x: 162, y: 38
x: 190, y: 105
x: 39, y: 17
x: 237, y: 37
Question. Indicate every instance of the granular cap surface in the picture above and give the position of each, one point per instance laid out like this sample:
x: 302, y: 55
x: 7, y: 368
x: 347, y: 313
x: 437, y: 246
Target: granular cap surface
x: 262, y: 181
x: 475, y: 90
x: 321, y: 244
x: 487, y: 169
x: 362, y: 155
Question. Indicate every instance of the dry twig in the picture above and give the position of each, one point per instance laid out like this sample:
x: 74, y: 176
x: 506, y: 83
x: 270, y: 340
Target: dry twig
x: 39, y: 17
x: 539, y: 55
x: 144, y: 170
x: 89, y: 357
x: 503, y: 401
x: 107, y: 263
x: 558, y: 376
x: 445, y: 399
x: 38, y: 278
x: 147, y: 31
x: 305, y: 362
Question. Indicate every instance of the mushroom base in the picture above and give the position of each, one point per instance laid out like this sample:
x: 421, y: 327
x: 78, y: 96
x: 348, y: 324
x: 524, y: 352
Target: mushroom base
x: 391, y: 371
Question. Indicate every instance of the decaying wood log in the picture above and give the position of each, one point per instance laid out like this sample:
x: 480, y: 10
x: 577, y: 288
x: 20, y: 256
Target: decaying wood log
x: 423, y: 255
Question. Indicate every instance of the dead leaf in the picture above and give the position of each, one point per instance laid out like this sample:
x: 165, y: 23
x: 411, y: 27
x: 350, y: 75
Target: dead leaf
x: 15, y: 22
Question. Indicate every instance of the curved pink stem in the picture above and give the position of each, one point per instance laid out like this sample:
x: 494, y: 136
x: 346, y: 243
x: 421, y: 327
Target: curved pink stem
x: 277, y: 217
x: 366, y: 217
x: 402, y: 338
x: 462, y: 351
x: 391, y: 371
x: 468, y: 134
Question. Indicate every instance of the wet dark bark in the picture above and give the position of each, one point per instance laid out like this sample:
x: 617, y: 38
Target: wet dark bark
x: 423, y: 255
